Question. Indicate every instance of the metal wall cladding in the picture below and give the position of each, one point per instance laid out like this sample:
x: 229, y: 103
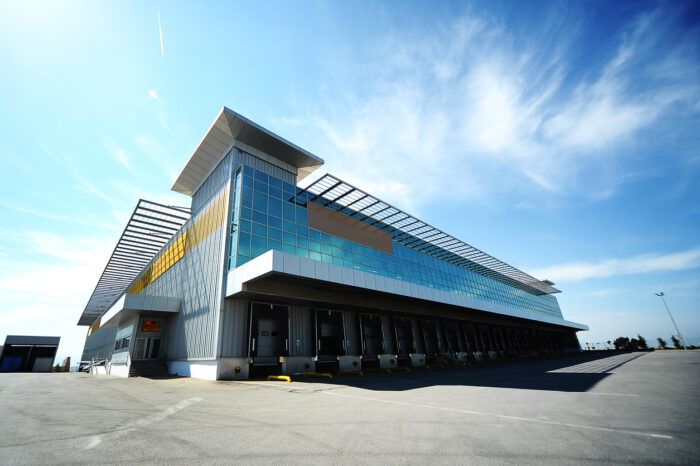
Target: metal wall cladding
x: 233, y: 335
x: 197, y: 279
x: 100, y: 344
x: 212, y: 184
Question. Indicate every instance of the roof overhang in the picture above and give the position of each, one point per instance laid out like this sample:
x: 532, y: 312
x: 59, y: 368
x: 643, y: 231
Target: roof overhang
x: 230, y: 128
x: 149, y: 229
x: 131, y: 304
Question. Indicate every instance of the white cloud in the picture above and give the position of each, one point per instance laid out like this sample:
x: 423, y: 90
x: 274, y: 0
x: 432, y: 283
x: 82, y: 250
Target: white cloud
x: 610, y: 267
x: 153, y: 94
x: 465, y: 106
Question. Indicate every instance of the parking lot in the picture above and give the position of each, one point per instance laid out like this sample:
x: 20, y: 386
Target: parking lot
x: 583, y: 409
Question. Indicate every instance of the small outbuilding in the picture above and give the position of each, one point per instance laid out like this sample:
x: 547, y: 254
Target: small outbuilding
x: 23, y: 353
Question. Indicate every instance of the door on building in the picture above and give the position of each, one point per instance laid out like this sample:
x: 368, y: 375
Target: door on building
x: 330, y: 339
x: 268, y: 337
x: 405, y: 343
x: 432, y: 340
x: 147, y: 348
x: 372, y: 337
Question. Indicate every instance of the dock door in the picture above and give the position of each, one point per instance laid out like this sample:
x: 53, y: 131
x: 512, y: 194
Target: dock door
x: 405, y: 343
x: 330, y: 340
x: 268, y: 337
x: 372, y: 340
x: 432, y: 341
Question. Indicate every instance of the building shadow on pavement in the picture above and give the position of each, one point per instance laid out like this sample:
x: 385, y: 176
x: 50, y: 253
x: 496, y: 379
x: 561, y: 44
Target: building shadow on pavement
x: 575, y: 373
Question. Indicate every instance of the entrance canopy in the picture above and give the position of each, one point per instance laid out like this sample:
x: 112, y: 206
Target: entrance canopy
x: 130, y: 305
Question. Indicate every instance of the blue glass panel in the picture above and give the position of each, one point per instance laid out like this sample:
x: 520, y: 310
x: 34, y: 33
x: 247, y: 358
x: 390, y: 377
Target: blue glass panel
x: 274, y: 207
x: 289, y: 226
x: 259, y: 217
x: 247, y: 198
x: 346, y: 245
x: 260, y: 202
x: 302, y: 231
x: 274, y: 222
x: 246, y: 213
x: 260, y: 176
x: 347, y: 263
x: 288, y: 188
x: 325, y: 237
x: 301, y: 216
x: 347, y: 255
x: 274, y: 233
x: 315, y: 255
x: 337, y: 252
x: 290, y: 249
x: 314, y: 234
x: 290, y: 238
x: 247, y: 182
x: 303, y: 252
x: 327, y: 258
x: 275, y: 182
x: 276, y: 193
x: 258, y: 246
x: 338, y: 261
x: 260, y: 186
x: 288, y: 211
x: 302, y: 242
x: 326, y: 249
x: 244, y: 244
x: 232, y: 262
x: 259, y: 229
x: 244, y: 225
x: 242, y: 260
x: 314, y: 245
x: 276, y: 245
x: 336, y: 242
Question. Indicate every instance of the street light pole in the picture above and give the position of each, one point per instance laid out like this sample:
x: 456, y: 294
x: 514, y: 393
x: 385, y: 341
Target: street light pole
x: 661, y: 295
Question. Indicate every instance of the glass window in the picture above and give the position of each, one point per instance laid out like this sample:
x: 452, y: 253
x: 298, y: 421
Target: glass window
x: 314, y: 245
x: 289, y: 238
x: 276, y: 193
x: 260, y: 202
x: 275, y: 234
x: 258, y: 246
x: 242, y: 260
x: 260, y: 186
x: 301, y: 216
x: 303, y: 252
x: 327, y: 258
x: 259, y: 229
x: 244, y: 244
x: 302, y: 231
x: 260, y: 176
x: 259, y: 217
x: 326, y: 249
x: 247, y: 198
x: 315, y: 255
x: 314, y: 234
x: 246, y: 213
x: 325, y: 237
x: 274, y: 222
x: 288, y: 211
x: 288, y: 188
x: 290, y: 249
x: 276, y: 245
x: 289, y: 226
x: 336, y: 242
x: 302, y: 242
x: 274, y: 207
x: 247, y: 182
x: 244, y: 225
x: 275, y: 182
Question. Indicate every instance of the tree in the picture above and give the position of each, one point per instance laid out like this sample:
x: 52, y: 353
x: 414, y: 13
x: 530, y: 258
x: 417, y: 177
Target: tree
x: 610, y: 343
x: 621, y: 343
x: 642, y: 342
x: 676, y: 342
x: 662, y: 343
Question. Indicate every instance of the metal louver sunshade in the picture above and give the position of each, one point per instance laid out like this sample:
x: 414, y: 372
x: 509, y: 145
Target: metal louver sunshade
x: 150, y: 228
x: 332, y: 192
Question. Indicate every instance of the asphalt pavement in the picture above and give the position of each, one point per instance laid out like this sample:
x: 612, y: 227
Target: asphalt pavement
x: 616, y: 408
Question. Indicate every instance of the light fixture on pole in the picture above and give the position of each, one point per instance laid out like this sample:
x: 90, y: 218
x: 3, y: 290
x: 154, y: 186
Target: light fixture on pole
x: 661, y: 295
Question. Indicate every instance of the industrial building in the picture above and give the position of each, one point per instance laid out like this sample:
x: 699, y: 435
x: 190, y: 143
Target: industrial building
x: 259, y: 276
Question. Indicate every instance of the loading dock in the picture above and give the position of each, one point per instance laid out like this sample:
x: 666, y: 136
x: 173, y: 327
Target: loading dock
x: 268, y: 337
x: 22, y: 353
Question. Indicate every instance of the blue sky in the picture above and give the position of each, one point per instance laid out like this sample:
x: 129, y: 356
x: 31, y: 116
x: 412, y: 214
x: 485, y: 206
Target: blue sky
x: 561, y: 138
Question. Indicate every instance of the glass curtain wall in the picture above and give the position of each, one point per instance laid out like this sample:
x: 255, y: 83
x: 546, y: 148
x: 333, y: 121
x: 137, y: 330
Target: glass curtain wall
x: 271, y: 214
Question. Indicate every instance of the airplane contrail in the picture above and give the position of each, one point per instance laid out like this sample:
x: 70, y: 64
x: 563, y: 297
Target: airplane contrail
x: 160, y: 31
